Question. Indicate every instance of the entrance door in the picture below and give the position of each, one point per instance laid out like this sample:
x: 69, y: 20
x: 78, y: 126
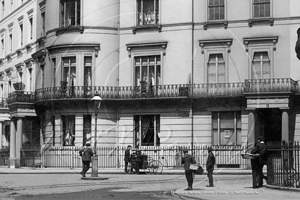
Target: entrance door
x: 269, y: 125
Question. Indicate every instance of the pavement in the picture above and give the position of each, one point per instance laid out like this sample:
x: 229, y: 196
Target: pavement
x: 222, y: 187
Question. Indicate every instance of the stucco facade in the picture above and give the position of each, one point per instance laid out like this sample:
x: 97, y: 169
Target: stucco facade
x: 169, y: 72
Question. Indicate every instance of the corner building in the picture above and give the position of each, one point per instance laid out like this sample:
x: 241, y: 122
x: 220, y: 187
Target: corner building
x: 170, y: 72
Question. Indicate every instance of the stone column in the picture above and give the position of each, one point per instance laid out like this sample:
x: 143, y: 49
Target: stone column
x: 19, y: 134
x: 12, y: 145
x: 285, y: 127
x: 251, y: 134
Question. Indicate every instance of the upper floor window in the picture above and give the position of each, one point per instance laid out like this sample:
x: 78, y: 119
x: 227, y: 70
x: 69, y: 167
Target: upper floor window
x: 148, y: 12
x: 43, y: 24
x: 216, y: 10
x: 261, y: 65
x: 88, y: 74
x: 261, y: 8
x: 69, y: 70
x: 216, y: 68
x: 70, y: 12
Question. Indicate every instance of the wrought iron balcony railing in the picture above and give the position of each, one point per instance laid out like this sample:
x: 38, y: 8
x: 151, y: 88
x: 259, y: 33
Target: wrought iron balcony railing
x: 278, y: 85
x: 21, y: 96
x: 257, y: 86
x: 107, y: 92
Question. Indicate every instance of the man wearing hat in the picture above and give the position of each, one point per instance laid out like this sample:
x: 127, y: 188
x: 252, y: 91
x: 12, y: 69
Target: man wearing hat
x: 187, y: 159
x: 257, y: 164
x: 86, y: 154
x: 210, y: 162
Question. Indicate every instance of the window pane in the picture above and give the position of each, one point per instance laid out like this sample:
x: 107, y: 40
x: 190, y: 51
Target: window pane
x: 226, y: 120
x: 68, y: 130
x: 87, y: 71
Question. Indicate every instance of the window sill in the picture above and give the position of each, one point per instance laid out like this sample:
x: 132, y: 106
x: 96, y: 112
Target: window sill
x: 215, y: 24
x: 261, y: 21
x: 69, y: 29
x: 147, y: 28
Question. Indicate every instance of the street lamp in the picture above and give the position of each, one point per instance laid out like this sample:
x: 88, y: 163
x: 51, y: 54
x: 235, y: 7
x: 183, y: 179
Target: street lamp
x: 97, y: 102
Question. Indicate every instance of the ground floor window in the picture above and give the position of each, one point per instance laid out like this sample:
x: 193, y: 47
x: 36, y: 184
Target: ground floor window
x: 226, y: 128
x: 68, y: 122
x: 147, y: 128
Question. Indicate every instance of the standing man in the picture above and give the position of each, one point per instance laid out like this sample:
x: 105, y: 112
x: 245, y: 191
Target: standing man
x: 138, y: 160
x: 86, y: 154
x: 127, y: 157
x: 187, y: 159
x: 211, y: 161
x: 257, y: 163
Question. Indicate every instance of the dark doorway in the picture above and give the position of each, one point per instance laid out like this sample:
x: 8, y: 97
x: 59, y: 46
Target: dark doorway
x: 269, y: 125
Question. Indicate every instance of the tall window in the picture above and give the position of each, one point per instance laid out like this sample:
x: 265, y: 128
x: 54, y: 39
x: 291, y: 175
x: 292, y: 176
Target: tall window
x: 147, y: 70
x: 261, y: 65
x: 147, y: 129
x: 54, y: 71
x: 261, y: 8
x: 87, y: 73
x: 226, y: 128
x: 3, y: 9
x: 43, y: 75
x: 31, y: 28
x: 68, y: 122
x: 30, y: 79
x: 2, y: 48
x: 216, y: 10
x: 87, y: 127
x: 21, y: 35
x: 69, y: 70
x: 216, y: 68
x: 70, y: 12
x: 53, y: 130
x: 10, y: 42
x: 148, y: 12
x: 43, y: 24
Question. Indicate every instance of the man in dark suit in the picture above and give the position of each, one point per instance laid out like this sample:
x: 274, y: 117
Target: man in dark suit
x: 257, y: 163
x: 127, y: 158
x: 187, y: 159
x: 211, y: 161
x: 86, y: 154
x: 138, y: 160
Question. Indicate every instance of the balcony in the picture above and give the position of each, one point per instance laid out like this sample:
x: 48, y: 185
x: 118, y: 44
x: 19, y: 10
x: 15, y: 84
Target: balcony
x: 111, y: 92
x: 21, y: 97
x: 218, y: 90
x: 270, y: 86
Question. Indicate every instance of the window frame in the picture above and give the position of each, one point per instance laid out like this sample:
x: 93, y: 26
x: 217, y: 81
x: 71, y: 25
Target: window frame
x: 259, y: 17
x: 156, y: 18
x: 137, y: 140
x: 64, y: 133
x: 208, y: 12
x: 62, y: 11
x: 235, y: 128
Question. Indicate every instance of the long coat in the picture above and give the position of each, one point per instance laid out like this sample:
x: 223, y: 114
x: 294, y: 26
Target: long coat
x: 127, y: 155
x: 261, y: 149
x: 86, y: 154
x: 187, y: 160
x: 210, y: 162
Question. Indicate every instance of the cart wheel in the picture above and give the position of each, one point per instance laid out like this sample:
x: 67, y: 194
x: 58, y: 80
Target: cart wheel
x: 155, y: 167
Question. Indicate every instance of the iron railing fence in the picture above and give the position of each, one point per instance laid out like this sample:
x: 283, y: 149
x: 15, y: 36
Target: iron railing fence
x: 278, y: 85
x: 218, y: 90
x: 284, y: 166
x: 170, y: 157
x: 4, y: 157
x: 30, y: 157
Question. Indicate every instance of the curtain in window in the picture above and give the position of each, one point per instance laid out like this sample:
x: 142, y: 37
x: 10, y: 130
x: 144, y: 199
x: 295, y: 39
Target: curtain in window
x: 70, y: 12
x: 148, y: 12
x: 69, y: 130
x: 147, y: 132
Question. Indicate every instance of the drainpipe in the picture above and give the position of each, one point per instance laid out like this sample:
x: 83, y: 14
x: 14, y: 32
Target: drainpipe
x: 118, y: 85
x: 192, y: 80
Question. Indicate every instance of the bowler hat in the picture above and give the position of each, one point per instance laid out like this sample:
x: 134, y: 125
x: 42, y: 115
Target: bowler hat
x: 87, y: 144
